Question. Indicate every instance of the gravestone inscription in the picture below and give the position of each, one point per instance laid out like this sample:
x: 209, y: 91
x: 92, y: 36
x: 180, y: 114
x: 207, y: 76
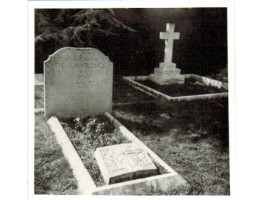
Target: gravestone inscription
x: 124, y: 162
x: 78, y: 82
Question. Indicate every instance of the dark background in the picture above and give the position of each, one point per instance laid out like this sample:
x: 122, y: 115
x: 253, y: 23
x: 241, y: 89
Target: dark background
x: 201, y: 49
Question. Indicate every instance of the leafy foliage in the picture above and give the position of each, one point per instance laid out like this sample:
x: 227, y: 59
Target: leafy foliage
x: 57, y: 28
x: 76, y: 27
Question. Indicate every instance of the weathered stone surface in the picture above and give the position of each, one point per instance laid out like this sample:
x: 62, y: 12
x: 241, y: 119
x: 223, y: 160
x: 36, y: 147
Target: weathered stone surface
x: 78, y: 82
x: 124, y: 162
x: 164, y: 66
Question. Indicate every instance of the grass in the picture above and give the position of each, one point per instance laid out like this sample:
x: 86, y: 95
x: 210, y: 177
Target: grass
x: 89, y: 133
x: 122, y: 93
x: 52, y: 172
x: 192, y: 137
x: 190, y: 87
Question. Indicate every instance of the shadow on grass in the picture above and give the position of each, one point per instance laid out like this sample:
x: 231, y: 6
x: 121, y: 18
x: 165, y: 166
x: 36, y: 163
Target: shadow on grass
x: 202, y: 118
x: 123, y: 93
x: 192, y: 137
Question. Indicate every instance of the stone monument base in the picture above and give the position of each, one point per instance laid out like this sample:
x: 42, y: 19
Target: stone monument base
x: 162, y: 80
x: 166, y: 74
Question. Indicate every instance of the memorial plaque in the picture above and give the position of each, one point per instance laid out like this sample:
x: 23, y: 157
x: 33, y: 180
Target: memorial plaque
x: 78, y: 82
x: 124, y: 162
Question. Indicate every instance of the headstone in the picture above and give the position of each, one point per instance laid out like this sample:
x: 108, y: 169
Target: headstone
x: 167, y: 73
x: 78, y: 82
x: 124, y: 162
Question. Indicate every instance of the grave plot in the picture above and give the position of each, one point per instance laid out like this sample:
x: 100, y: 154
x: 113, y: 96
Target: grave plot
x: 195, y: 87
x: 167, y: 81
x: 89, y: 133
x: 190, y: 87
x: 147, y: 173
x: 96, y: 135
x: 191, y: 137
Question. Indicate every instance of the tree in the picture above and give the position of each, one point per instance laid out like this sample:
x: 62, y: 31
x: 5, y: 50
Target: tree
x: 57, y: 28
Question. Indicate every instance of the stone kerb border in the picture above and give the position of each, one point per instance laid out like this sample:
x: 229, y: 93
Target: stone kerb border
x: 208, y: 81
x: 165, y: 182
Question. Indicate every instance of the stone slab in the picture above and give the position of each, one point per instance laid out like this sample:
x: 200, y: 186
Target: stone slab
x: 124, y: 162
x: 78, y: 82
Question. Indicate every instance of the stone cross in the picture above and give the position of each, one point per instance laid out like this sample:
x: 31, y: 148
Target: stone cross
x: 169, y: 36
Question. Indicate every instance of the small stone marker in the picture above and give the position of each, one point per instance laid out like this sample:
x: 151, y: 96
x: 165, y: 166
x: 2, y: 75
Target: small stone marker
x: 124, y: 162
x: 78, y: 82
x: 167, y: 73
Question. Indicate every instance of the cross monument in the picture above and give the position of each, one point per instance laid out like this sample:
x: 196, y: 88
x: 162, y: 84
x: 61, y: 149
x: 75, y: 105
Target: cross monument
x: 167, y: 73
x: 169, y: 36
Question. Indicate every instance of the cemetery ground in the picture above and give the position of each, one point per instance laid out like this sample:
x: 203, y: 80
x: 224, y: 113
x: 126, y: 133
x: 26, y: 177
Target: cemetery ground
x: 191, y: 137
x: 53, y: 174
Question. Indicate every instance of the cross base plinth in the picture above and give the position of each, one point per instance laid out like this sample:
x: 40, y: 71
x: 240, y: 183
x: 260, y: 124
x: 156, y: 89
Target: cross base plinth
x: 160, y: 80
x: 167, y: 74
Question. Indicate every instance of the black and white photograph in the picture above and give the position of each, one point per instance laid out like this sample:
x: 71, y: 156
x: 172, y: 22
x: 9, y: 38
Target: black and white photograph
x: 131, y: 101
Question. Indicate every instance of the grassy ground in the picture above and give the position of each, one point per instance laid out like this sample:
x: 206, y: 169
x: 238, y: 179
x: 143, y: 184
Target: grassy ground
x: 122, y: 93
x: 192, y: 137
x: 52, y: 171
x: 190, y: 87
